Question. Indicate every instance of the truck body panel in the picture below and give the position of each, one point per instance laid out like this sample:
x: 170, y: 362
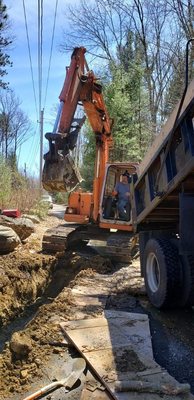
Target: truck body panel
x: 153, y: 208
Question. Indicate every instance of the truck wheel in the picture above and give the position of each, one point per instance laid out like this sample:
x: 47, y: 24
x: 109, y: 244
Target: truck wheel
x: 187, y: 291
x: 162, y: 273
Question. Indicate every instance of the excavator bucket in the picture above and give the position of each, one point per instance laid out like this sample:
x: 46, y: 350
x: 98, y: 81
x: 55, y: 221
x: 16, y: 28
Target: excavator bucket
x: 60, y: 175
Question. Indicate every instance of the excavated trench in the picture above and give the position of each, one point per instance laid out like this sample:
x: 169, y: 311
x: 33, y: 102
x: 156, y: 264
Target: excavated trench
x: 36, y: 295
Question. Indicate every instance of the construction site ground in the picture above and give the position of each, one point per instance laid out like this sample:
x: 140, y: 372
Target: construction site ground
x: 43, y: 296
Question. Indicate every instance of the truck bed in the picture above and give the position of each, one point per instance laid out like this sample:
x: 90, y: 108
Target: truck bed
x: 156, y: 208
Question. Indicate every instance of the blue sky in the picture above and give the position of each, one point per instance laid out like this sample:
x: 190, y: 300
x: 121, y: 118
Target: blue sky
x: 19, y: 76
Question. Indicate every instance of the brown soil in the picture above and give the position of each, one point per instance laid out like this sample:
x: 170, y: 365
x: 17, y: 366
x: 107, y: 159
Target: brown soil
x: 27, y: 274
x: 24, y: 274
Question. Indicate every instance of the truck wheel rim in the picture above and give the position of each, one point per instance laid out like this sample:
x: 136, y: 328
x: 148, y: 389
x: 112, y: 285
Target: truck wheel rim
x: 153, y: 272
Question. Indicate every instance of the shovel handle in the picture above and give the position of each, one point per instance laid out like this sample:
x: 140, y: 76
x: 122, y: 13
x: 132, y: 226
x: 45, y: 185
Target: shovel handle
x: 79, y: 366
x: 44, y: 390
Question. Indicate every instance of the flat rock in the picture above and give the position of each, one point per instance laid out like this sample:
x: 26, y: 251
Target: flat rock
x: 24, y: 227
x: 9, y: 239
x: 32, y: 218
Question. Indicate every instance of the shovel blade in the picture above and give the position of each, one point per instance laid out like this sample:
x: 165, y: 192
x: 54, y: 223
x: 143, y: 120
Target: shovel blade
x: 78, y: 369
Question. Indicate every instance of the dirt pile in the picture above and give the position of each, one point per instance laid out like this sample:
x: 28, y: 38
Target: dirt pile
x: 23, y: 278
x: 25, y: 274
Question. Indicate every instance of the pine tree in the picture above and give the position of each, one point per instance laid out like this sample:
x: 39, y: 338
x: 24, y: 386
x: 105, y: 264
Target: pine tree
x: 127, y: 101
x: 4, y: 43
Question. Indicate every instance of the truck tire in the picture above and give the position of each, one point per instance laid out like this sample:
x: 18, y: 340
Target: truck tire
x: 162, y: 273
x: 187, y: 291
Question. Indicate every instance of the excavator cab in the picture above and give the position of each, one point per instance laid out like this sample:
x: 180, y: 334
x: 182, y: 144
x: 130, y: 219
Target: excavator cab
x: 109, y: 213
x: 81, y: 205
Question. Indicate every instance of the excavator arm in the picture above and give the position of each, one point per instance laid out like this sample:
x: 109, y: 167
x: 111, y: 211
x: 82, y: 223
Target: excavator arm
x: 80, y: 87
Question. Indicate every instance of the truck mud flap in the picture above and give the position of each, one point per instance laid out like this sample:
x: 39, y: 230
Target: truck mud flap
x: 186, y: 202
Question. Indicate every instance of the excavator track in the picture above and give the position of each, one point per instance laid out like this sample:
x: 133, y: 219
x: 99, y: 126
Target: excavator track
x: 120, y: 247
x: 68, y: 236
x: 55, y: 239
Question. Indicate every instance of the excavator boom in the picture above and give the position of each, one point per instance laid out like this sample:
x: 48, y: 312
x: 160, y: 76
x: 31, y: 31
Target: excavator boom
x: 80, y: 87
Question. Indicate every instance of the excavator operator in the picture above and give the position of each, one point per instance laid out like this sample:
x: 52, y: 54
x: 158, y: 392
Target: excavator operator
x: 122, y: 192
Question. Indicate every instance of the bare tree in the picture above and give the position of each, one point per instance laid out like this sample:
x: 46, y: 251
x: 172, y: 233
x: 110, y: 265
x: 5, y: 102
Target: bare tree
x: 98, y: 25
x: 103, y: 27
x: 161, y: 41
x: 14, y: 123
x: 184, y: 11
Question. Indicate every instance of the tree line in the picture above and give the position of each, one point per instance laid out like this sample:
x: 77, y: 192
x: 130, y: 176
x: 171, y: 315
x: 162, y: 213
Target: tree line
x: 137, y: 48
x: 140, y: 45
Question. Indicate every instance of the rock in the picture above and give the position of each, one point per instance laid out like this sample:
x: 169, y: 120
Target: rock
x: 23, y: 373
x: 9, y: 239
x: 32, y: 218
x: 20, y: 345
x: 22, y: 226
x: 9, y: 365
x: 56, y: 350
x: 38, y: 362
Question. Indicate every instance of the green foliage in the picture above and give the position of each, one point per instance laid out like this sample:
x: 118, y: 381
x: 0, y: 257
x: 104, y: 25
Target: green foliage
x: 40, y: 209
x: 60, y: 198
x: 127, y: 102
x: 89, y: 154
x: 5, y: 183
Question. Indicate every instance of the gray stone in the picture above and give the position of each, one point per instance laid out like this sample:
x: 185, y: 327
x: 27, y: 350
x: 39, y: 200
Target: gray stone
x: 9, y: 239
x: 32, y: 218
x: 24, y: 227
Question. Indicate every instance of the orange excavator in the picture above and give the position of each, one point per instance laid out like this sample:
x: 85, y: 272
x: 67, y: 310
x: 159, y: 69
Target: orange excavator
x: 95, y: 211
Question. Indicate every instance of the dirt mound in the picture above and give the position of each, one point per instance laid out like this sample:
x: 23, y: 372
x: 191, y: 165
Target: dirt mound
x: 23, y: 278
x: 24, y: 274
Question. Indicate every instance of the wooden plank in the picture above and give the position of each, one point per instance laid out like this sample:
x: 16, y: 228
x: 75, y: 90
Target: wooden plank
x: 166, y: 130
x: 113, y: 346
x: 117, y: 347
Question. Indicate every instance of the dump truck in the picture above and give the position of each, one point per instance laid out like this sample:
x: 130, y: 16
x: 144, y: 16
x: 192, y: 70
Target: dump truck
x: 162, y: 208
